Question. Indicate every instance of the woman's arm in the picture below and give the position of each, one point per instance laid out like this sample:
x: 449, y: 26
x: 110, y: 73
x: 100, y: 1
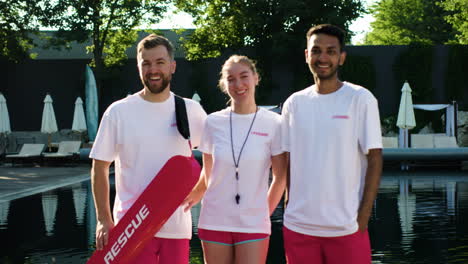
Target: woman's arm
x: 200, y: 188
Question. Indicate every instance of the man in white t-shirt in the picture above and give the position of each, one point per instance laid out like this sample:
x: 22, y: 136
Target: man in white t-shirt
x: 140, y: 134
x: 332, y: 133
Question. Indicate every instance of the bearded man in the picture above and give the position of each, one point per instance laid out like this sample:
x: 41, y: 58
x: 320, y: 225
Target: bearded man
x: 139, y: 134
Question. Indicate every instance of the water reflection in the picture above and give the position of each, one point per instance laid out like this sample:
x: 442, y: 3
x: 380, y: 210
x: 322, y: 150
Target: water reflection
x: 426, y: 224
x: 49, y: 209
x: 406, y: 210
x: 80, y: 203
x: 45, y: 228
x: 4, y: 208
x: 417, y: 219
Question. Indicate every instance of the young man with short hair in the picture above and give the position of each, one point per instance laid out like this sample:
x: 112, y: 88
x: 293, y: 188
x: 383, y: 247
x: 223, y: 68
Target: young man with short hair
x: 332, y: 133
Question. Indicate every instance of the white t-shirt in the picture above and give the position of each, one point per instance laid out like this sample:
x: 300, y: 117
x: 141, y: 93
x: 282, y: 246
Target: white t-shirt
x: 219, y: 208
x: 140, y: 136
x: 328, y: 137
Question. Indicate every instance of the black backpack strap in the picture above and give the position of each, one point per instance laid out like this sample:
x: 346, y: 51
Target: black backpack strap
x: 181, y: 117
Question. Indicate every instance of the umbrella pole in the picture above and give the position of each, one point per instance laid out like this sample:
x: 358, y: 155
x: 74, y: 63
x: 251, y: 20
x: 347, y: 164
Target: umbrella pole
x: 48, y: 142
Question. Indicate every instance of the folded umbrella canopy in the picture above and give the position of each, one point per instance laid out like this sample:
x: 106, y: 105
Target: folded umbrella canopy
x: 91, y: 103
x: 406, y: 118
x: 4, y: 125
x: 79, y: 121
x: 49, y: 123
x: 196, y: 97
x: 4, y: 116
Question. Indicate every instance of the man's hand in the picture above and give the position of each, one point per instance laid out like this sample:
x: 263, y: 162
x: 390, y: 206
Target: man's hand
x: 102, y: 233
x: 371, y: 187
x: 363, y: 220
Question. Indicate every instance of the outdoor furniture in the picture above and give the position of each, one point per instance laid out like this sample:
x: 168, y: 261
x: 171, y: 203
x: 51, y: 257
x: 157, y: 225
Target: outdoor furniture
x: 66, y: 149
x: 445, y: 142
x: 422, y: 141
x: 19, y: 141
x: 433, y: 141
x: 428, y: 150
x: 390, y: 142
x: 28, y: 151
x: 68, y: 152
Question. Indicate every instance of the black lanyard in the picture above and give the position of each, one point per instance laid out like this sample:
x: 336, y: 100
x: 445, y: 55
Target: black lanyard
x: 236, y: 163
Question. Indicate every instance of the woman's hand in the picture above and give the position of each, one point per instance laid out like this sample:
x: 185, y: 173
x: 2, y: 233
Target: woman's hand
x: 193, y: 198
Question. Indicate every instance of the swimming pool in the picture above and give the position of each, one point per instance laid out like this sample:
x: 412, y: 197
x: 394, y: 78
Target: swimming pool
x: 418, y: 217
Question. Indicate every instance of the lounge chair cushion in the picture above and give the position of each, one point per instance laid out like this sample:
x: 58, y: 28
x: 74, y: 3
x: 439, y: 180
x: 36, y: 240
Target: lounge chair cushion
x: 422, y: 141
x: 28, y: 150
x: 390, y: 142
x: 66, y: 149
x: 445, y: 142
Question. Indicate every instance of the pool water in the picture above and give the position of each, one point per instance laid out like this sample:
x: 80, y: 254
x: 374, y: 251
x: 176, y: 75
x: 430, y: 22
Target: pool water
x: 418, y: 217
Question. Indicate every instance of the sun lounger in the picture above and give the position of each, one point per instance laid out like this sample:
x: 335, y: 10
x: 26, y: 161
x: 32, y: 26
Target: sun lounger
x: 27, y: 151
x: 422, y: 141
x: 434, y: 150
x: 445, y: 142
x: 390, y: 142
x: 66, y: 149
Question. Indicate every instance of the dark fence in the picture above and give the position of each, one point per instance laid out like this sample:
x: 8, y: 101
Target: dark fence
x: 437, y: 74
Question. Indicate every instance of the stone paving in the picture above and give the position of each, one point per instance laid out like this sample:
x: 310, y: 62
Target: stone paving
x: 20, y: 181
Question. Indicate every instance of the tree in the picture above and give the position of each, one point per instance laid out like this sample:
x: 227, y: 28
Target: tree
x: 271, y: 26
x: 16, y: 29
x: 458, y: 19
x: 400, y: 22
x: 109, y: 24
x: 270, y: 31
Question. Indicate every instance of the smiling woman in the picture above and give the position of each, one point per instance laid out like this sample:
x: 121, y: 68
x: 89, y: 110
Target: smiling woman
x: 234, y: 224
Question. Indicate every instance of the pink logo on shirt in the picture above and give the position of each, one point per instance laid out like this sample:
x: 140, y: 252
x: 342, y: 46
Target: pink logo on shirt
x: 340, y: 117
x: 260, y: 134
x: 174, y: 125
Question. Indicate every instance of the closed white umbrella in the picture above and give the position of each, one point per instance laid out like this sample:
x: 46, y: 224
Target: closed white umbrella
x: 406, y: 118
x: 92, y: 106
x: 79, y: 121
x: 4, y: 116
x: 4, y: 124
x: 49, y: 123
x: 196, y: 97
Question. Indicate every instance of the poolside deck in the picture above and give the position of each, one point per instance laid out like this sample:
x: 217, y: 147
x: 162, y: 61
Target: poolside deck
x: 18, y: 182
x: 453, y: 158
x: 425, y: 154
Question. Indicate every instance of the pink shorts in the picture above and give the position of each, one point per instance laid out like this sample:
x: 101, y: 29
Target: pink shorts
x: 349, y: 249
x: 229, y: 238
x: 165, y: 251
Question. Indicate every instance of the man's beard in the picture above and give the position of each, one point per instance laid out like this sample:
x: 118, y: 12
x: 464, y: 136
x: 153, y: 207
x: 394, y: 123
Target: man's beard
x: 323, y: 77
x: 158, y: 88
